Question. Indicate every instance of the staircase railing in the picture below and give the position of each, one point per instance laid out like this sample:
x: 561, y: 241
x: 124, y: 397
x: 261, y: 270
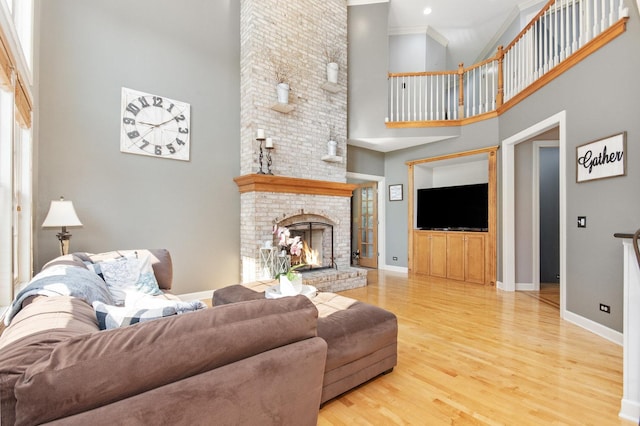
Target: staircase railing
x: 561, y: 29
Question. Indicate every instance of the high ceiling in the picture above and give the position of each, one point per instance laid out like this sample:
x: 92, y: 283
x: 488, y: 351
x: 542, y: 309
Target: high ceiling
x: 467, y: 26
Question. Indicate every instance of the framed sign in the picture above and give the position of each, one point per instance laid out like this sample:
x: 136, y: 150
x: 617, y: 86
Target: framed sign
x: 395, y: 192
x: 602, y: 158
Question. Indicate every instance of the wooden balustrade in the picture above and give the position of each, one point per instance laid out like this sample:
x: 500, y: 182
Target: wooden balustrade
x: 563, y: 32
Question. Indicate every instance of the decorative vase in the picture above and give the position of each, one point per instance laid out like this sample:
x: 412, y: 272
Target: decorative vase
x: 283, y: 93
x: 331, y: 147
x: 332, y: 72
x: 290, y: 288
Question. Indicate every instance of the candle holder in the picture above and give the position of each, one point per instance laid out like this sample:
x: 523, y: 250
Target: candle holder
x: 269, y: 161
x: 260, y: 171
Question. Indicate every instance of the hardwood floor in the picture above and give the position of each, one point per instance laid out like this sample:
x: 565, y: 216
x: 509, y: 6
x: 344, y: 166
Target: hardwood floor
x: 471, y: 355
x: 549, y: 293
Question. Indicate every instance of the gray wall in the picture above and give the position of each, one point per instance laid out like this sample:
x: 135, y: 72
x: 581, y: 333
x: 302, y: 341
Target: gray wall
x: 549, y: 214
x: 523, y: 153
x: 597, y: 106
x: 367, y: 63
x: 188, y: 51
x: 415, y: 53
x: 365, y: 161
x: 599, y: 95
x: 407, y: 52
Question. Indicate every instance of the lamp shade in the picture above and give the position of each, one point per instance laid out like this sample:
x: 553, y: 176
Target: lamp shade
x: 61, y: 213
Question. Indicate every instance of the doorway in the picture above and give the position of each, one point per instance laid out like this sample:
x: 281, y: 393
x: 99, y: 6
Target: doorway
x: 365, y: 224
x: 509, y: 255
x: 545, y: 238
x: 361, y: 178
x: 546, y: 221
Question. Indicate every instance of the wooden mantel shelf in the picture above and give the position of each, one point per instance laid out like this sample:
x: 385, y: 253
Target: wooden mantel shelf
x: 270, y: 183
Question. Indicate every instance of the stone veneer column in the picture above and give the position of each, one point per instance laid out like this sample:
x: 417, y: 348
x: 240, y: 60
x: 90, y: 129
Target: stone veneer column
x: 296, y: 33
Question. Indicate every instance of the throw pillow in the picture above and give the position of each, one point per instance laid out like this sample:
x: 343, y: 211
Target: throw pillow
x: 129, y: 274
x: 117, y: 316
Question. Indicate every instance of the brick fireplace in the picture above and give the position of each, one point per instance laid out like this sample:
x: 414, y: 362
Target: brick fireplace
x: 284, y: 201
x: 306, y: 184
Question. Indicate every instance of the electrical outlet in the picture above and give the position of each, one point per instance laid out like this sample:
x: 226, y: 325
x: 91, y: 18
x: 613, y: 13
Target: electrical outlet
x: 605, y: 308
x: 395, y: 257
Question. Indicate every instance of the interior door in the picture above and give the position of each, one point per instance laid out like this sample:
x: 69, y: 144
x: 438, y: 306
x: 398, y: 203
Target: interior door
x: 367, y: 206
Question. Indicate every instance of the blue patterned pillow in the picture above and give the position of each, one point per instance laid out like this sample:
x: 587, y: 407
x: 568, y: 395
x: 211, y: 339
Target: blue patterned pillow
x: 128, y: 274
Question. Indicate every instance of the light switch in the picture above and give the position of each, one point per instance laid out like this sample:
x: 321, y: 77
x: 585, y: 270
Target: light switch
x: 582, y: 221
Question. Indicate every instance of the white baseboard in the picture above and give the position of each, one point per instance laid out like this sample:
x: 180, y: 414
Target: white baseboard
x: 594, y: 327
x: 629, y: 410
x: 200, y: 295
x: 525, y: 287
x: 401, y: 269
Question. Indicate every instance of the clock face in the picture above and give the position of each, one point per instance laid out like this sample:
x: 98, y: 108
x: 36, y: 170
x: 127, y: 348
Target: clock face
x: 154, y: 125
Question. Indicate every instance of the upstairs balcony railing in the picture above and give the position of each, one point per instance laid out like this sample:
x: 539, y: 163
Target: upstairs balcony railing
x: 562, y: 30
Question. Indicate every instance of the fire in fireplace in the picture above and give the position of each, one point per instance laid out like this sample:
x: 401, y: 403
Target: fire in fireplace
x: 317, y: 240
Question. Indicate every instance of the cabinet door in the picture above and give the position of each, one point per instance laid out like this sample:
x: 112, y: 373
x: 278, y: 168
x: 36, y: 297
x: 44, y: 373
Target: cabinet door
x: 421, y: 252
x: 474, y: 252
x: 438, y: 255
x: 455, y: 256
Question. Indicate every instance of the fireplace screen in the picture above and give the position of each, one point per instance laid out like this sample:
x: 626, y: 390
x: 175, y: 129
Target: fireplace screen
x: 317, y: 243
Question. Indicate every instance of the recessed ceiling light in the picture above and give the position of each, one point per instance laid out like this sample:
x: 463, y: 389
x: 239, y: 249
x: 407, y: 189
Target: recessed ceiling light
x: 427, y: 10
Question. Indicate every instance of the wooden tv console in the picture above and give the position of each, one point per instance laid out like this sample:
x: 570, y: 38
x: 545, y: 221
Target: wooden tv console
x: 456, y: 255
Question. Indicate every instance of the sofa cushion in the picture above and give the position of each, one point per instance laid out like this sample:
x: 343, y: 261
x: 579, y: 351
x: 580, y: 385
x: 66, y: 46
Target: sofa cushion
x: 33, y: 334
x: 49, y: 313
x: 92, y: 370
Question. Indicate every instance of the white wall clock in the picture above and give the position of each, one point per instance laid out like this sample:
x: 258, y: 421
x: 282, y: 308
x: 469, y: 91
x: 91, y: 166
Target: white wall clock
x: 154, y: 125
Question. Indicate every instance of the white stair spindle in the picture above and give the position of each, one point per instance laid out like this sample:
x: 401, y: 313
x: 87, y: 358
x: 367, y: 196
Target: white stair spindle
x: 595, y: 14
x: 390, y: 112
x: 397, y: 100
x: 438, y: 90
x: 404, y: 90
x: 574, y: 15
x: 426, y: 95
x: 563, y: 29
x: 431, y: 98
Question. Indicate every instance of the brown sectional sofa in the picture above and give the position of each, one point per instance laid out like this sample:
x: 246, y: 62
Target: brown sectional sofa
x: 361, y: 338
x: 257, y: 362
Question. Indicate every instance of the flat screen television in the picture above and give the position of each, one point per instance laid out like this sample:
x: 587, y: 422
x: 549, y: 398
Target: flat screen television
x: 463, y: 208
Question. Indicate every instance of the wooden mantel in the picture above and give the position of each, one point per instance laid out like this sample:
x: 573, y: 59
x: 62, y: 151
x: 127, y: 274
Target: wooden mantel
x: 270, y: 183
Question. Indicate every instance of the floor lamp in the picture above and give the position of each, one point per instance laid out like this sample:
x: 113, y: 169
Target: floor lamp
x: 62, y: 214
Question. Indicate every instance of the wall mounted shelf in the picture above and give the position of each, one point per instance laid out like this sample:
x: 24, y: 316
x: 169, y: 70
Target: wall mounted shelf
x: 332, y: 158
x: 283, y: 108
x: 331, y: 87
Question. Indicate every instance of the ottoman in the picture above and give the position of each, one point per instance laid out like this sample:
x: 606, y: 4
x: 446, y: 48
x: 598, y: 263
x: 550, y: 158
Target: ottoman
x: 361, y: 338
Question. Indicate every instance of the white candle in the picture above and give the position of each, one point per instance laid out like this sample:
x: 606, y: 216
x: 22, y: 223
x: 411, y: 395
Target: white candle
x: 260, y: 134
x: 269, y: 143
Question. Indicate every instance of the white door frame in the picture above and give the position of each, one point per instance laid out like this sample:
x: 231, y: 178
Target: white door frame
x: 508, y: 202
x: 535, y: 207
